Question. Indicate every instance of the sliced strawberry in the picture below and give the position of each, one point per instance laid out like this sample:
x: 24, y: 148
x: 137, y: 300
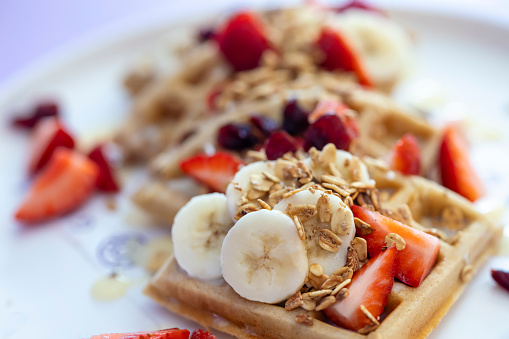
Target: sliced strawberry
x: 48, y: 135
x: 369, y: 287
x: 172, y: 333
x: 415, y: 261
x: 336, y: 108
x: 65, y: 183
x: 406, y: 155
x: 502, y: 278
x: 279, y: 143
x: 456, y: 169
x: 340, y: 55
x: 357, y: 4
x: 201, y: 334
x: 243, y: 41
x: 211, y: 99
x: 216, y: 171
x: 41, y: 111
x: 106, y: 180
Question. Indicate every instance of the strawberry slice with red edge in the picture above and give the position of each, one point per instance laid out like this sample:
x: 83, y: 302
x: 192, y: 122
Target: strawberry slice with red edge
x: 216, y: 171
x: 362, y: 5
x: 341, y: 111
x: 415, y: 261
x: 106, y: 180
x: 65, y: 183
x: 456, y: 170
x: 201, y: 334
x: 370, y: 287
x: 406, y: 155
x: 42, y: 110
x: 49, y: 134
x: 242, y: 41
x: 339, y: 54
x: 171, y: 333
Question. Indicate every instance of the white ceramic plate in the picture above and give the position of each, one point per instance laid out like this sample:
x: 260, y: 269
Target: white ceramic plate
x: 47, y: 271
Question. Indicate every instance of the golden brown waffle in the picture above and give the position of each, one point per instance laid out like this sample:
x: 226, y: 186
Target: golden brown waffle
x: 467, y: 238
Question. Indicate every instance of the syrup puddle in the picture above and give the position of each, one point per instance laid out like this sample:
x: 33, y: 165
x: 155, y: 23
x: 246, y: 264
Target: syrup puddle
x: 110, y: 288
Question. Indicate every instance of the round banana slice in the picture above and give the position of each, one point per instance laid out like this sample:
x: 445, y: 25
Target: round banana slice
x: 198, y: 232
x: 320, y: 214
x: 385, y: 47
x: 264, y: 258
x: 349, y: 166
x: 249, y: 184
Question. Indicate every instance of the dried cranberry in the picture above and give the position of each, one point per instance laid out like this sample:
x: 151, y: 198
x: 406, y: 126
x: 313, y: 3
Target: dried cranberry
x: 237, y: 137
x: 264, y: 124
x: 280, y: 143
x: 358, y: 4
x: 42, y: 110
x: 201, y: 334
x: 205, y: 34
x: 106, y: 180
x: 328, y: 129
x: 295, y: 119
x: 501, y: 277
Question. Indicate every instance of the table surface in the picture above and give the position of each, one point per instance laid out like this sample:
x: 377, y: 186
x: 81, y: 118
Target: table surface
x: 32, y: 29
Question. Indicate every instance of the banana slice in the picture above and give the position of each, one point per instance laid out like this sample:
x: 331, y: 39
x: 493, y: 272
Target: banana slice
x: 349, y: 166
x: 263, y: 257
x: 198, y: 232
x: 321, y: 211
x: 385, y: 46
x: 241, y: 190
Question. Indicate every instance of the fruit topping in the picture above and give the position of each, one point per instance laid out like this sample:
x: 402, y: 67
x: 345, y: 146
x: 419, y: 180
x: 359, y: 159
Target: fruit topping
x: 211, y: 99
x: 328, y: 129
x: 106, y: 180
x: 242, y: 41
x: 361, y: 309
x: 456, y: 169
x: 47, y: 136
x: 415, y: 261
x: 265, y: 124
x: 237, y: 137
x: 66, y: 182
x: 215, y: 171
x: 406, y: 155
x: 336, y: 108
x: 201, y: 334
x: 295, y: 119
x: 42, y: 110
x: 358, y: 4
x: 205, y: 34
x: 340, y: 55
x: 172, y: 333
x: 501, y: 277
x: 279, y: 143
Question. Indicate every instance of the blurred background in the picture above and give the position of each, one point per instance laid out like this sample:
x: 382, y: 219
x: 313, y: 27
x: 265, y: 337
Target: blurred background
x: 32, y: 29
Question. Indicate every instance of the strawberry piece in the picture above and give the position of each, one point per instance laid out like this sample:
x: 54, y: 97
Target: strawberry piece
x: 501, y: 277
x: 415, y: 261
x: 456, y: 169
x: 48, y: 135
x: 41, y: 111
x: 172, y: 333
x: 369, y: 287
x: 106, y: 180
x: 201, y: 334
x: 211, y: 99
x: 280, y: 143
x: 66, y: 182
x: 216, y: 171
x: 341, y: 111
x: 357, y: 4
x: 406, y: 155
x: 340, y: 55
x: 242, y: 41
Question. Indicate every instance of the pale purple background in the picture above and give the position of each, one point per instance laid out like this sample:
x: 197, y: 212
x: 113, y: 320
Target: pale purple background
x: 30, y: 29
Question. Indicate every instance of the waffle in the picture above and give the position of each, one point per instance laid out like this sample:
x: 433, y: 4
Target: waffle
x: 466, y: 242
